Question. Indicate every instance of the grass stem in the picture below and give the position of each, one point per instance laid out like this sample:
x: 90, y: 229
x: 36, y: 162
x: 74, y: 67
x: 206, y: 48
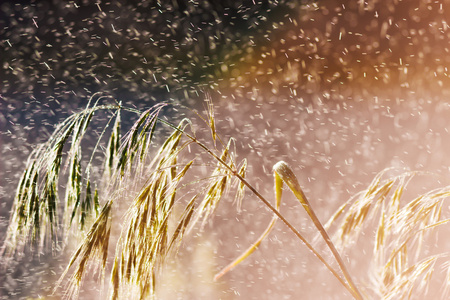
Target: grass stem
x: 288, y: 176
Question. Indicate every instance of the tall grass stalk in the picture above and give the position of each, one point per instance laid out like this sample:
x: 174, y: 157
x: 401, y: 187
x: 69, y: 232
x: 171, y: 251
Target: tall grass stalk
x: 159, y: 216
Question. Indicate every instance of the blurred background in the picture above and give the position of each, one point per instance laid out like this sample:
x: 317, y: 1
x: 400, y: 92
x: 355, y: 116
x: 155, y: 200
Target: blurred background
x: 339, y: 89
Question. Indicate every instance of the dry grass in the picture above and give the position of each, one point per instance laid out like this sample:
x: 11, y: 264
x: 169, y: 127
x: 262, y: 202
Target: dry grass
x: 161, y: 214
x: 406, y: 235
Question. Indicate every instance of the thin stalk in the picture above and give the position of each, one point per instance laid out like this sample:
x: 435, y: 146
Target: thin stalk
x: 249, y: 251
x: 278, y: 192
x: 288, y: 176
x: 350, y: 287
x: 298, y: 234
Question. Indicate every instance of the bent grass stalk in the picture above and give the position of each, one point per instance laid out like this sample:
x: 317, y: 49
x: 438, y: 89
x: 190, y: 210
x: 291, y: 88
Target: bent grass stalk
x: 146, y: 236
x: 155, y: 201
x: 288, y: 176
x: 292, y: 182
x: 283, y: 173
x: 266, y: 232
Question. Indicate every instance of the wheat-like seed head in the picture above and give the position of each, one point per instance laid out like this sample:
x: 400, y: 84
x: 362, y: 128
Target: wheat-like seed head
x: 157, y: 219
x: 401, y: 267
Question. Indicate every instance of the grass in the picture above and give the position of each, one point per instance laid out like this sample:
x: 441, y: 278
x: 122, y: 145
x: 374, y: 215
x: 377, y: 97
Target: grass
x: 162, y: 213
x: 406, y: 235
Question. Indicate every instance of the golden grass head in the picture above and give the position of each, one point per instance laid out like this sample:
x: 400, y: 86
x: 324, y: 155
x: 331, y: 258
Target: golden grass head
x: 160, y: 214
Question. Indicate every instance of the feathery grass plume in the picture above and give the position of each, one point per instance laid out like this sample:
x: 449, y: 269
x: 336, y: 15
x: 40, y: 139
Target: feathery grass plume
x: 138, y: 138
x: 402, y: 284
x: 446, y: 290
x: 93, y: 248
x: 146, y: 239
x: 38, y: 191
x: 209, y: 119
x: 359, y: 211
x: 112, y: 149
x: 74, y: 183
x: 184, y: 221
x: 158, y: 217
x: 400, y: 266
x: 219, y: 183
x: 25, y: 220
